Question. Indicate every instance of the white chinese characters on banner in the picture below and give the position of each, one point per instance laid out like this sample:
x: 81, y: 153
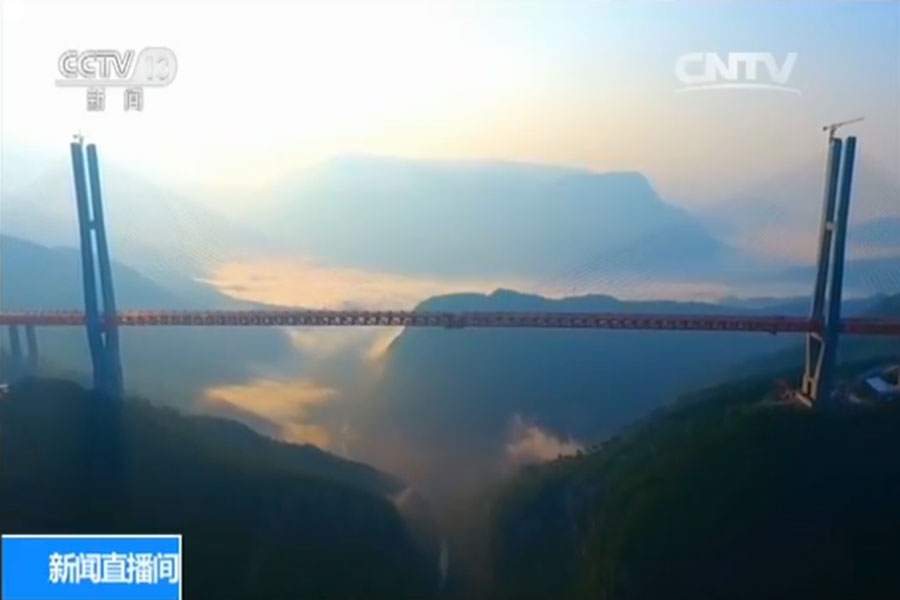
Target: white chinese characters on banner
x: 113, y: 567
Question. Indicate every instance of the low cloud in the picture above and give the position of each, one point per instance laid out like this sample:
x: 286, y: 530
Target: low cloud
x: 529, y: 444
x: 328, y: 343
x: 284, y: 406
x: 309, y: 284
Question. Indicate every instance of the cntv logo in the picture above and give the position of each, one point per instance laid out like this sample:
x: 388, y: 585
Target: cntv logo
x: 737, y: 71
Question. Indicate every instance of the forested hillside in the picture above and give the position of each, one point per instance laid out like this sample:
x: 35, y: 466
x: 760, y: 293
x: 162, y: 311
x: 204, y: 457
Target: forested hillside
x: 727, y: 495
x: 259, y: 518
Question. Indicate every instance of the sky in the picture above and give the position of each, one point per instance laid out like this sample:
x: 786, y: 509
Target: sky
x: 264, y: 88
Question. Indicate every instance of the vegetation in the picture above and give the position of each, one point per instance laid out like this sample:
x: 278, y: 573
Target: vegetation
x: 728, y: 494
x: 260, y: 519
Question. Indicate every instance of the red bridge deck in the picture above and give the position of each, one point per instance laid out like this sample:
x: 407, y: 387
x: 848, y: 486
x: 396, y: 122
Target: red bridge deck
x: 382, y: 318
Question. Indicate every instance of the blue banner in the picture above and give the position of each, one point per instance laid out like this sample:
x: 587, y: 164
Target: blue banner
x: 91, y: 567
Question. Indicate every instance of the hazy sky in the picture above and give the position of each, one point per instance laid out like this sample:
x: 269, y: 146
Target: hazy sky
x: 265, y: 87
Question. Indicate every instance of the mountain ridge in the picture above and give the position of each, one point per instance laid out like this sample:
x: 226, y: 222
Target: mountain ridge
x: 480, y: 218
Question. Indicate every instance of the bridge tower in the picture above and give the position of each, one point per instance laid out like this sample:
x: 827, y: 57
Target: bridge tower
x: 99, y: 308
x: 821, y: 345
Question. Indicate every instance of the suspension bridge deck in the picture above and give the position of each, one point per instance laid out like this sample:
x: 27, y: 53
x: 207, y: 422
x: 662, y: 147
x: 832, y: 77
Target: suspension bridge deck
x: 455, y: 320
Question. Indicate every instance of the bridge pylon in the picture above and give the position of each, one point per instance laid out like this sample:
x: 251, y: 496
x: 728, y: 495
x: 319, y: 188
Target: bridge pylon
x: 817, y: 387
x: 99, y: 303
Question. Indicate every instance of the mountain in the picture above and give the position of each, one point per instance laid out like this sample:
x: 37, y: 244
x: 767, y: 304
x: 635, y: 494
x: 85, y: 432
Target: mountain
x: 454, y: 411
x: 150, y: 227
x: 259, y: 518
x: 482, y: 218
x: 791, y: 200
x: 38, y: 277
x: 453, y: 398
x: 883, y: 232
x: 35, y: 277
x: 876, y: 275
x: 780, y: 216
x: 726, y: 495
x: 888, y: 307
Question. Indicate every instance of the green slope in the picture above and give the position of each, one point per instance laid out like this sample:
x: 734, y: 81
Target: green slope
x: 723, y: 496
x: 259, y: 519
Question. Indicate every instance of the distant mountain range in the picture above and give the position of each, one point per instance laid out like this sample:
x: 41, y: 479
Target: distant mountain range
x: 781, y: 216
x: 793, y: 198
x: 559, y: 228
x: 884, y: 231
x: 35, y: 277
x: 787, y: 209
x: 160, y: 232
x: 862, y: 275
x: 492, y: 218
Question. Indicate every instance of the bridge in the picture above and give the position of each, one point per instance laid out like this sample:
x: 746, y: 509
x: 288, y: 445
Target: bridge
x: 101, y: 320
x: 456, y: 320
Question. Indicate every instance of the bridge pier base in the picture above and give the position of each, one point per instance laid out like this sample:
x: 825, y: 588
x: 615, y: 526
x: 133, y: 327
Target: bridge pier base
x: 31, y: 349
x: 21, y: 364
x: 15, y: 369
